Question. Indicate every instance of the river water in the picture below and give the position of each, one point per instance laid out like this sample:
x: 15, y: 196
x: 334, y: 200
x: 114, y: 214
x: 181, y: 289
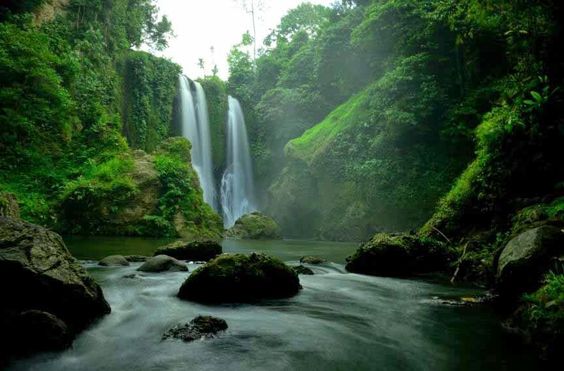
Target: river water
x: 339, y: 321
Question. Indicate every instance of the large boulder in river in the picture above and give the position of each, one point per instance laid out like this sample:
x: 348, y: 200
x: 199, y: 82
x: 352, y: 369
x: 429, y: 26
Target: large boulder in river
x: 162, y: 263
x: 527, y: 257
x: 255, y: 226
x: 194, y: 250
x: 240, y: 278
x: 398, y: 255
x: 46, y: 293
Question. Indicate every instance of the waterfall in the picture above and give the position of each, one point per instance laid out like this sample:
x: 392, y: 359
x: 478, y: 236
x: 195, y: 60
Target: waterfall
x: 237, y: 188
x: 196, y: 128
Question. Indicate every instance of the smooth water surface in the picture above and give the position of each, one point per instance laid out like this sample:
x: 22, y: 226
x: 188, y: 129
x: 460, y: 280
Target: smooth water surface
x: 339, y: 321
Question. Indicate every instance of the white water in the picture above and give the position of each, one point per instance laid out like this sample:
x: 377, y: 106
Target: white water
x: 196, y: 128
x: 237, y: 188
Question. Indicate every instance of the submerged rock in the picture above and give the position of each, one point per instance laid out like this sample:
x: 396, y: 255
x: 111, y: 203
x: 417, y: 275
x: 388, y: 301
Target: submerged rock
x: 255, y: 226
x: 114, y: 261
x: 314, y: 260
x: 194, y: 250
x: 398, y: 255
x: 527, y: 257
x: 200, y: 327
x: 44, y: 290
x: 300, y: 269
x: 240, y: 278
x: 162, y: 263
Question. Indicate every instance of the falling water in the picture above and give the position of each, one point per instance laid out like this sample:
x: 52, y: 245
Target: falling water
x: 195, y: 127
x: 237, y: 188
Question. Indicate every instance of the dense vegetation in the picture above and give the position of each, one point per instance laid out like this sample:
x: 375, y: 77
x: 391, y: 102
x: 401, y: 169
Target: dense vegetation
x: 392, y: 93
x: 75, y: 98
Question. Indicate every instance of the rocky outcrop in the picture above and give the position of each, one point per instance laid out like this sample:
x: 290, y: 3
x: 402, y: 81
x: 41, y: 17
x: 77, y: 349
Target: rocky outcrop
x: 193, y: 250
x: 255, y: 226
x: 114, y: 261
x: 9, y: 207
x: 398, y: 255
x: 162, y: 263
x: 527, y: 257
x: 240, y: 278
x: 47, y: 296
x: 200, y: 327
x: 138, y: 200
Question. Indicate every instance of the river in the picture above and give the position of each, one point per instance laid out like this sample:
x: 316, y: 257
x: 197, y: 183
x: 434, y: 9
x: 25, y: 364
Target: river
x: 339, y: 321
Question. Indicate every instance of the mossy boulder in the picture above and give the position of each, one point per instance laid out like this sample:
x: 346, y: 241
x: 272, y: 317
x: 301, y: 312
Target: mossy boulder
x: 240, y: 278
x: 162, y: 263
x: 255, y: 226
x: 37, y: 273
x: 527, y: 257
x: 191, y: 250
x: 398, y: 255
x: 114, y: 261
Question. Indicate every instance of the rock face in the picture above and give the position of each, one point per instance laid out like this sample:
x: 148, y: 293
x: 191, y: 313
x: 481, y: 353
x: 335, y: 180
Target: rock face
x: 397, y: 255
x: 200, y: 327
x: 9, y: 207
x: 255, y: 226
x: 527, y: 257
x: 114, y: 261
x: 47, y: 296
x: 240, y: 278
x: 194, y: 250
x: 162, y: 263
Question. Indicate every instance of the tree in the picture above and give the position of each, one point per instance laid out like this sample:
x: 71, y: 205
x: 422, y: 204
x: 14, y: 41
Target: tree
x: 252, y: 7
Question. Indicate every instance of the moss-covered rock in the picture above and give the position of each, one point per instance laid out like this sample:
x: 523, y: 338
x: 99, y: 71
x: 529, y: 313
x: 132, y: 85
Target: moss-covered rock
x: 191, y: 250
x: 162, y: 263
x: 240, y: 278
x: 527, y: 257
x: 255, y: 226
x: 141, y: 194
x: 398, y: 255
x: 37, y: 272
x: 114, y: 261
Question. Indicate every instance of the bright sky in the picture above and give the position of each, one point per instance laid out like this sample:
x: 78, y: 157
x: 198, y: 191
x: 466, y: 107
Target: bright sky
x: 200, y: 25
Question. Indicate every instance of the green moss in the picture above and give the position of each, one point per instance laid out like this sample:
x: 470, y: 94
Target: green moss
x: 546, y: 305
x: 181, y: 201
x: 90, y: 202
x: 149, y: 89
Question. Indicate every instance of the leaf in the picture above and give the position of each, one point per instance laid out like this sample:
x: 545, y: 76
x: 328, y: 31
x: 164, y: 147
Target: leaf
x: 536, y: 96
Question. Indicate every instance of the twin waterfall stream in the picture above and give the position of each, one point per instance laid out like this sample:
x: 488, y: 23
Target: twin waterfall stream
x: 236, y: 187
